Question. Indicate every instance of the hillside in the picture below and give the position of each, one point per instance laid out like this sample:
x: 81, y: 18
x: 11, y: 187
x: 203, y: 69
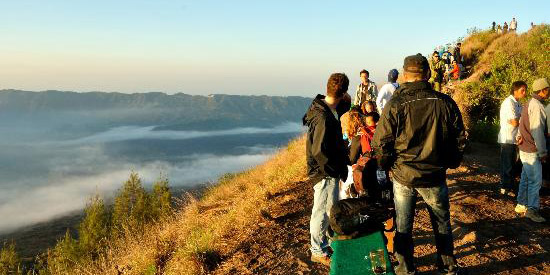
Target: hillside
x: 256, y: 222
x: 494, y: 62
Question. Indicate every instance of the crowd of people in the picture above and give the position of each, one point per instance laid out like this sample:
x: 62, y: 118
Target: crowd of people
x: 446, y: 66
x: 505, y: 28
x: 524, y: 143
x: 409, y: 131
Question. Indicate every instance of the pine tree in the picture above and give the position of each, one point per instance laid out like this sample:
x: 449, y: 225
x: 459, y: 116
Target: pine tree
x: 93, y: 230
x: 9, y: 260
x: 64, y: 256
x: 131, y: 209
x: 161, y: 198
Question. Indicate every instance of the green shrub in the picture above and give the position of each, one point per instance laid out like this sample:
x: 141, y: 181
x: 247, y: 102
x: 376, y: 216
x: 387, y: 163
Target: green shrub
x: 9, y: 260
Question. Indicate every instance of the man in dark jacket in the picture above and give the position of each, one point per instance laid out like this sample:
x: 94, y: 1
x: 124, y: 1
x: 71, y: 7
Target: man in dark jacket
x: 327, y: 160
x: 419, y: 136
x: 456, y: 53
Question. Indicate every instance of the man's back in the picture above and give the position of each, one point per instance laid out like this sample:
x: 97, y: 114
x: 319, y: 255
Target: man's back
x: 423, y: 130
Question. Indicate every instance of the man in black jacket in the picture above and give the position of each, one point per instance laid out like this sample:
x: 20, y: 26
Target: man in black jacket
x: 327, y: 160
x: 419, y: 136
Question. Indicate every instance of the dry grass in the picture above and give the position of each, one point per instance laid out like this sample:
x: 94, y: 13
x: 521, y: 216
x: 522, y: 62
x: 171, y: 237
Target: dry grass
x: 192, y: 241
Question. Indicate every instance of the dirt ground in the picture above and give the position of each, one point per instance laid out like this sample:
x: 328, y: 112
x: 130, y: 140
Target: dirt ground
x: 490, y: 238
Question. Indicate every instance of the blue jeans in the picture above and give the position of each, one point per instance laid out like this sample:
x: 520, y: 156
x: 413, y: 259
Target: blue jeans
x: 531, y: 180
x: 437, y: 199
x: 325, y: 195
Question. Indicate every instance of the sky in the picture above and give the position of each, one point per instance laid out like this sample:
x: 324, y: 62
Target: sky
x: 230, y: 47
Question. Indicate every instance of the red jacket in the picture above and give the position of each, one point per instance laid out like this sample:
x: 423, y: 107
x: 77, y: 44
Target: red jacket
x: 455, y: 71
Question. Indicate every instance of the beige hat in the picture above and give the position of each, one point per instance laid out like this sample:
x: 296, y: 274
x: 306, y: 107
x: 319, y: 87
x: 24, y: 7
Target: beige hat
x: 540, y: 84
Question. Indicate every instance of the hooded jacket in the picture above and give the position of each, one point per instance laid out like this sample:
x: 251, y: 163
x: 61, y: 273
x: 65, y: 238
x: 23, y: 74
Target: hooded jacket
x: 420, y: 134
x: 326, y: 151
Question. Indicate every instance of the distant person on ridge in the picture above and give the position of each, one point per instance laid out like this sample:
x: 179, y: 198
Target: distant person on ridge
x: 505, y: 27
x: 493, y: 28
x: 532, y: 150
x: 366, y: 91
x: 327, y: 160
x: 513, y: 25
x: 437, y: 70
x: 499, y: 29
x: 386, y: 92
x: 454, y: 73
x: 510, y: 112
x: 420, y: 134
x: 456, y: 53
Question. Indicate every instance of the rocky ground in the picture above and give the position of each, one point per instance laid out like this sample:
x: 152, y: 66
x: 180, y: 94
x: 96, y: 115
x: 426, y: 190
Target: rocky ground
x: 490, y: 238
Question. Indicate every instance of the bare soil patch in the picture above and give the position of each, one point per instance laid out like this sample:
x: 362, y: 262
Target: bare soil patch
x: 490, y: 238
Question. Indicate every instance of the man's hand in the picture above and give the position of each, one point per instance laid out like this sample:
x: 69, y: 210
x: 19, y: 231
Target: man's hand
x: 544, y: 158
x: 519, y: 140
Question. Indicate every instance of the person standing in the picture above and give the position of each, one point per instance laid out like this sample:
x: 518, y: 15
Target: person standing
x: 505, y: 27
x: 493, y: 27
x: 366, y: 91
x: 437, y: 70
x: 510, y: 111
x: 419, y: 136
x: 386, y: 92
x: 499, y: 29
x: 456, y: 53
x: 532, y: 151
x: 327, y: 160
x: 513, y: 25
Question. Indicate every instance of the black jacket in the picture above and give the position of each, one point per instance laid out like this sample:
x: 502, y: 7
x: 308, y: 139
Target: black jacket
x: 420, y: 134
x: 326, y: 151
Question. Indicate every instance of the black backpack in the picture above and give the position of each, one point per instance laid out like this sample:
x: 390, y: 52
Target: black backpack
x: 359, y: 216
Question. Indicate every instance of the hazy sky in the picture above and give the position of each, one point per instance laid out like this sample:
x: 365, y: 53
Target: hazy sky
x: 234, y: 47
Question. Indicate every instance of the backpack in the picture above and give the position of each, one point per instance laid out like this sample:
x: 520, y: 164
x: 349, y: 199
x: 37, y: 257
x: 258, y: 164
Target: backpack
x: 358, y: 216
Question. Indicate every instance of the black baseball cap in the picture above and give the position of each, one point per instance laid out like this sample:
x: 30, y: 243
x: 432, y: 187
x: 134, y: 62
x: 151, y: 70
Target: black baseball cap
x: 416, y: 64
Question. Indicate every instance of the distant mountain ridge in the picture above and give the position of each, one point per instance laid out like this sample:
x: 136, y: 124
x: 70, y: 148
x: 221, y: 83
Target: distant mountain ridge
x: 174, y: 112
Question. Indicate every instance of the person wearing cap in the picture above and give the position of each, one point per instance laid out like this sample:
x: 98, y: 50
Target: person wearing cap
x: 366, y: 90
x: 437, y: 68
x: 419, y: 136
x: 532, y: 151
x: 386, y: 92
x: 510, y: 112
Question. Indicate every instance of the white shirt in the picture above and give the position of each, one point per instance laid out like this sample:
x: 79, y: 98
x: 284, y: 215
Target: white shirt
x: 513, y: 25
x: 509, y: 109
x: 385, y: 94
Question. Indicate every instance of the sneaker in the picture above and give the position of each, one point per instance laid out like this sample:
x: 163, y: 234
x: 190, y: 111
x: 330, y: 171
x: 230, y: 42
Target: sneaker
x: 534, y: 216
x: 322, y: 259
x: 511, y: 194
x: 520, y: 209
x: 502, y: 191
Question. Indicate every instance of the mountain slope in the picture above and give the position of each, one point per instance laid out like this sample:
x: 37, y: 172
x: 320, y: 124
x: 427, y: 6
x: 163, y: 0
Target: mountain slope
x: 170, y: 112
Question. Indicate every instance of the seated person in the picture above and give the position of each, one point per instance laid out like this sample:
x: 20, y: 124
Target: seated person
x: 360, y: 147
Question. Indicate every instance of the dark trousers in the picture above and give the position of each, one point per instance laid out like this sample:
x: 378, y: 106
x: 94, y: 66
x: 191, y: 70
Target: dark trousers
x: 508, y: 165
x: 437, y: 200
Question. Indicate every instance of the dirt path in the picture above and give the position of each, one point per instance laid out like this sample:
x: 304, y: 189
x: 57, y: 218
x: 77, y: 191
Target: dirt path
x: 490, y: 238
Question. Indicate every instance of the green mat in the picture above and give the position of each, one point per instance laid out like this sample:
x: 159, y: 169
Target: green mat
x: 349, y: 255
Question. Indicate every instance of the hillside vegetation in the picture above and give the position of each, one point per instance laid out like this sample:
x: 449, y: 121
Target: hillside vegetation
x: 495, y: 62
